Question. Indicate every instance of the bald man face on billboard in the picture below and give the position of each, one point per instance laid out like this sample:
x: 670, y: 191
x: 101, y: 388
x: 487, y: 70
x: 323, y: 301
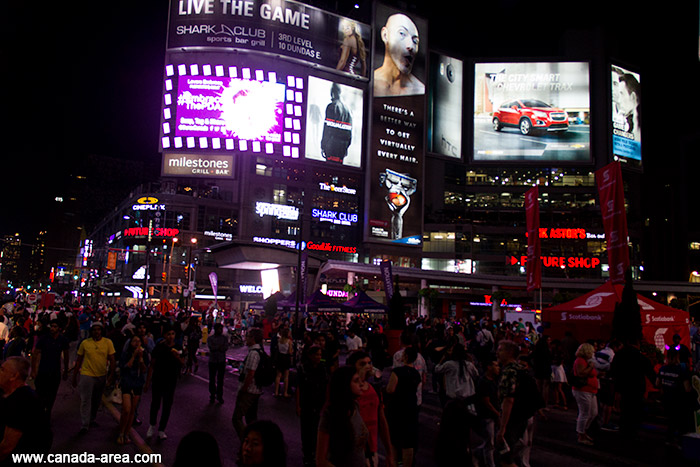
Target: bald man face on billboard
x: 394, y: 77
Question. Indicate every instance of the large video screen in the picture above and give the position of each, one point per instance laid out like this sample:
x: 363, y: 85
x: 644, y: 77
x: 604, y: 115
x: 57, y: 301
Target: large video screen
x: 626, y: 124
x: 445, y: 123
x: 334, y: 122
x: 230, y: 108
x: 253, y: 107
x: 534, y: 112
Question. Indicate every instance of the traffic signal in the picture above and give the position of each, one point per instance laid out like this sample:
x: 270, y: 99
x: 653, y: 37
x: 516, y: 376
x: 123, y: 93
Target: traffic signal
x: 164, y: 276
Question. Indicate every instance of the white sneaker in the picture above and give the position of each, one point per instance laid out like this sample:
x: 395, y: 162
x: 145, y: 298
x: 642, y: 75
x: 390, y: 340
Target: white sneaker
x: 162, y: 435
x: 151, y: 431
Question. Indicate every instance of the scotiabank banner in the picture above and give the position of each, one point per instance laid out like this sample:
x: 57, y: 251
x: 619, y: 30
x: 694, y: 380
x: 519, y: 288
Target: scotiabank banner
x: 532, y: 213
x: 281, y: 27
x: 612, y: 208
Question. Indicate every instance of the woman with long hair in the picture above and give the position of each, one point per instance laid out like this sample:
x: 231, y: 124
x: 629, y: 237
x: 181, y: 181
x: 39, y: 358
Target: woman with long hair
x: 459, y: 373
x: 283, y: 360
x: 342, y: 435
x: 585, y: 395
x: 133, y: 368
x: 353, y: 55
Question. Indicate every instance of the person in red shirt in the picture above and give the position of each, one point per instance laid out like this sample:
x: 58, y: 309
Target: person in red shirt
x: 371, y: 408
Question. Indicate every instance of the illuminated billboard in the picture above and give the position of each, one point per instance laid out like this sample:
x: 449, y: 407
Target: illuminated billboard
x: 334, y: 122
x: 626, y: 124
x: 254, y: 107
x: 224, y: 107
x: 445, y: 123
x: 283, y: 27
x: 397, y: 146
x: 534, y: 112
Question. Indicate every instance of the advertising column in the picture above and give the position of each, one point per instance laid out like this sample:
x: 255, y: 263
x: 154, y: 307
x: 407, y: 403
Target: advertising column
x: 397, y: 146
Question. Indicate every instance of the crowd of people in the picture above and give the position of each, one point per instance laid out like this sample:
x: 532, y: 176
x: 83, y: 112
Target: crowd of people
x: 494, y: 381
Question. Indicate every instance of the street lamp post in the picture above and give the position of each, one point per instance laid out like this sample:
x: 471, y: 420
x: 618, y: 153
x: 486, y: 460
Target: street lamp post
x: 170, y: 263
x: 190, y: 285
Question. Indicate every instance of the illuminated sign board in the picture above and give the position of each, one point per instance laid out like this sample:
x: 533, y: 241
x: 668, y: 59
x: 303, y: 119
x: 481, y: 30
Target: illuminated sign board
x: 282, y: 27
x: 325, y: 246
x: 626, y: 124
x: 336, y: 293
x: 218, y: 106
x: 254, y: 107
x: 445, y: 117
x: 397, y: 145
x: 337, y: 189
x: 197, y: 165
x: 535, y: 112
x: 219, y: 235
x: 276, y: 241
x: 335, y: 217
x: 148, y: 207
x: 251, y: 289
x: 335, y: 136
x: 280, y: 211
x: 571, y: 234
x: 144, y: 232
x: 560, y: 262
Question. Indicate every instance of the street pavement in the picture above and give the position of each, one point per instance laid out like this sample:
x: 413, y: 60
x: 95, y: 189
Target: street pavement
x: 554, y: 445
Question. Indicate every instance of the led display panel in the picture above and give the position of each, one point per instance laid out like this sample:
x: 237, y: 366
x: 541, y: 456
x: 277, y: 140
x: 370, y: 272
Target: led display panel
x: 445, y: 124
x: 226, y: 107
x: 626, y: 124
x: 334, y: 123
x: 532, y: 112
x: 254, y: 107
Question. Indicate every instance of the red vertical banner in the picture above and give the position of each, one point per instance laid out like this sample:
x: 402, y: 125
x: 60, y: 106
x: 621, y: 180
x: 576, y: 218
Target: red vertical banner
x: 612, y: 208
x: 532, y: 214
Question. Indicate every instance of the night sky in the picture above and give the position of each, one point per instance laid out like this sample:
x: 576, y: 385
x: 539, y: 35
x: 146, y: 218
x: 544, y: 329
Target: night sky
x: 85, y: 78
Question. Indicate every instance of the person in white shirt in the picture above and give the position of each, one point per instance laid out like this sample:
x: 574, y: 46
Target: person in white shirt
x: 353, y: 341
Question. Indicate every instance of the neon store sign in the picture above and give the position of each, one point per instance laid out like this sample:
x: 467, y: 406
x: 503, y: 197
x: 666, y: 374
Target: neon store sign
x: 325, y: 246
x: 280, y: 211
x: 341, y: 218
x: 569, y: 234
x: 561, y: 262
x: 156, y: 232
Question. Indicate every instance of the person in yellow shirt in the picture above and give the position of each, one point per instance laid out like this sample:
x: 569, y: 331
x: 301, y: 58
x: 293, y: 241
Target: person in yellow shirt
x: 95, y: 361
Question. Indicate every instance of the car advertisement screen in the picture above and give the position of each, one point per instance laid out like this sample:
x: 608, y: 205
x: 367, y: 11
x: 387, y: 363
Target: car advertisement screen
x: 534, y: 112
x: 334, y: 123
x: 626, y: 125
x: 230, y: 107
x: 445, y: 124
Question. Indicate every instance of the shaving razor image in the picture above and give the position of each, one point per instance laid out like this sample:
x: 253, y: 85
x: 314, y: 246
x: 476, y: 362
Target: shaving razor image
x: 400, y: 187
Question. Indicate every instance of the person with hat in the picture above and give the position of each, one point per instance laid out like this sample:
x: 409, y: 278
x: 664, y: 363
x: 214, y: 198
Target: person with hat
x: 95, y: 359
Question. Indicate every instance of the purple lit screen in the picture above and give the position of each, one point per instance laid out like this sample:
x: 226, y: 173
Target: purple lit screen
x: 237, y: 108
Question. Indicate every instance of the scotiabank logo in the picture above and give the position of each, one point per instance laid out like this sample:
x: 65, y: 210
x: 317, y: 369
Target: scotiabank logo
x: 580, y: 317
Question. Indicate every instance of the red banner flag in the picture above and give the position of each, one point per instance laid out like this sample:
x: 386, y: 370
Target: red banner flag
x: 532, y: 214
x: 612, y: 208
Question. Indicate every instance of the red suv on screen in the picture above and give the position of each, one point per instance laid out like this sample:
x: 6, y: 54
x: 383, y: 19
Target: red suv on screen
x: 530, y: 115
